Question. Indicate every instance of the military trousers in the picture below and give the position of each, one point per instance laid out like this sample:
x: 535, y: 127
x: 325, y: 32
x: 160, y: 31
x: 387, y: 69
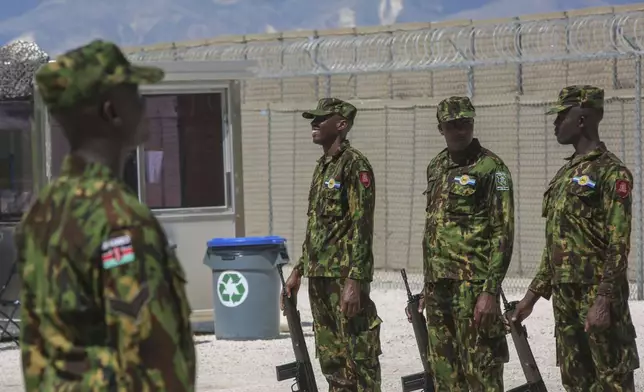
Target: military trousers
x: 348, y: 348
x: 596, y: 361
x: 463, y: 358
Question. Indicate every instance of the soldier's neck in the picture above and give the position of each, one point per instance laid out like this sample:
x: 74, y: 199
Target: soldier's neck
x: 586, y: 145
x: 104, y: 152
x: 333, y: 148
x: 463, y: 156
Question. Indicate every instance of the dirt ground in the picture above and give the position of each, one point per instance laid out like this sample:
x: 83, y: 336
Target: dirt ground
x: 249, y: 366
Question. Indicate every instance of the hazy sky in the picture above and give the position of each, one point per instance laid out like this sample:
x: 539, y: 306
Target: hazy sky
x: 58, y: 25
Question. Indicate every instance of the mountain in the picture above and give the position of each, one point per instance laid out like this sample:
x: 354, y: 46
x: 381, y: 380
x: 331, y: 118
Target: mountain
x: 57, y: 25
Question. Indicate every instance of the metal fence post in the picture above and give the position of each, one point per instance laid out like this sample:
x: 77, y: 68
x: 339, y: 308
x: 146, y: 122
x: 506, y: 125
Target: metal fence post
x: 638, y: 178
x: 270, y: 166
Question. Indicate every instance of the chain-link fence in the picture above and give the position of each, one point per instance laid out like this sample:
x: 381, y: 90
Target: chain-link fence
x: 512, y: 69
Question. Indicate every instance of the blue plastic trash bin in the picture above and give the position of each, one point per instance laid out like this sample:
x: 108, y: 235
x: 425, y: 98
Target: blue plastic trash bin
x: 246, y: 286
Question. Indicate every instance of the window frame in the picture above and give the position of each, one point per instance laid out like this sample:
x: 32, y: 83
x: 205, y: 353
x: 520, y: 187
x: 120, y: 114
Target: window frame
x: 212, y: 88
x: 13, y: 217
x: 181, y: 76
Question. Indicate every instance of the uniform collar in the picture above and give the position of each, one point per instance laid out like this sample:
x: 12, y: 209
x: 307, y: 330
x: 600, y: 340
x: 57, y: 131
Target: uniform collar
x: 75, y: 166
x: 593, y: 154
x: 326, y: 158
x: 466, y: 157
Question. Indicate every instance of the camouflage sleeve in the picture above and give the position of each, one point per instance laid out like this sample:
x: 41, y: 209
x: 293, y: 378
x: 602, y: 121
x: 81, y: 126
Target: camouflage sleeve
x: 542, y: 282
x: 299, y: 266
x: 361, y: 192
x: 31, y: 341
x: 501, y: 208
x: 139, y: 306
x: 617, y: 203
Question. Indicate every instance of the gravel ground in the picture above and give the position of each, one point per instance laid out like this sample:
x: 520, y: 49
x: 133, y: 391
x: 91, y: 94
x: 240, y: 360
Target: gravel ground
x: 250, y: 366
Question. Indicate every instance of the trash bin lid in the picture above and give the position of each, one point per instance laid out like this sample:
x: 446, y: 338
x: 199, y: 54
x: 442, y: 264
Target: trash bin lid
x: 237, y: 242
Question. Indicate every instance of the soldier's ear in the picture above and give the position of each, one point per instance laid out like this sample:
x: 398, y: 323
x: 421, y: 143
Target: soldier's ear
x: 342, y: 125
x: 440, y: 129
x: 108, y: 112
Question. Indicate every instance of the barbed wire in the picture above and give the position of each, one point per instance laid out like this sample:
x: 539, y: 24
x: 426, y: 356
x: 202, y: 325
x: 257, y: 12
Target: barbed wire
x: 19, y: 61
x: 579, y: 38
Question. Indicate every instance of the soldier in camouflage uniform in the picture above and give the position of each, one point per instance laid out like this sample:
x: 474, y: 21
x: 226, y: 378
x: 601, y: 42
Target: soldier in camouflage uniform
x: 104, y: 301
x: 467, y: 246
x: 587, y: 207
x: 337, y: 255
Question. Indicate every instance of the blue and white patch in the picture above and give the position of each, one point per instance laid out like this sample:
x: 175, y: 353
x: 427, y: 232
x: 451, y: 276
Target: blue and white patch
x: 584, y: 181
x: 501, y: 180
x: 465, y: 180
x: 332, y: 184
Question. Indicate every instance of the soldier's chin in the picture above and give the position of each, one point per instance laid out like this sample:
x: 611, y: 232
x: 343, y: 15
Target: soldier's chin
x: 562, y: 140
x: 459, y: 145
x: 317, y: 139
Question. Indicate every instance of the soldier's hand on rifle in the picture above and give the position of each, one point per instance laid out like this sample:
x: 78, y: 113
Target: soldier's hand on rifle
x: 524, y: 307
x: 292, y: 286
x: 421, y: 307
x: 350, y: 301
x: 485, y: 310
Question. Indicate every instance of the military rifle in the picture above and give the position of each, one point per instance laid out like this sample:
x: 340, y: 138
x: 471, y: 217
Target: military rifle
x: 520, y: 338
x: 301, y: 369
x: 422, y: 381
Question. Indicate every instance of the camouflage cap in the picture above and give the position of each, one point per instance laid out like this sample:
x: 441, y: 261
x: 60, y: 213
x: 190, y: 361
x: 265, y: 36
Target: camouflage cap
x: 583, y: 96
x: 454, y: 108
x: 81, y: 75
x: 328, y: 106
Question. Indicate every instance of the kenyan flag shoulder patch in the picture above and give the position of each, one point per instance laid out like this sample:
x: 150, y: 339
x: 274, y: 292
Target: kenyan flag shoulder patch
x: 117, y: 251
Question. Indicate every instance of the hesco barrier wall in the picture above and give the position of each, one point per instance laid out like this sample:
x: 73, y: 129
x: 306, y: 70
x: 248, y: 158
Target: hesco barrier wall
x: 512, y: 69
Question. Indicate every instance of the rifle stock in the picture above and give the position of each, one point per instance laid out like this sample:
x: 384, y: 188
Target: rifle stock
x: 524, y: 352
x: 422, y: 381
x: 301, y: 369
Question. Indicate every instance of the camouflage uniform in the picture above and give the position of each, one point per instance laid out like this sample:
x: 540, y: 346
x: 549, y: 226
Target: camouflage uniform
x: 338, y: 246
x: 104, y: 302
x: 588, y: 224
x: 467, y: 247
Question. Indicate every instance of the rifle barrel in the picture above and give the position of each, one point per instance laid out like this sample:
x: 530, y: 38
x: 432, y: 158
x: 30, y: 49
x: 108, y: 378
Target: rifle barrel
x: 404, y: 277
x: 506, y: 304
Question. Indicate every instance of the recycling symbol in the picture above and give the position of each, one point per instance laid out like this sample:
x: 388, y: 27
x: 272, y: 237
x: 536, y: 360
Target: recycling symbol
x: 232, y: 288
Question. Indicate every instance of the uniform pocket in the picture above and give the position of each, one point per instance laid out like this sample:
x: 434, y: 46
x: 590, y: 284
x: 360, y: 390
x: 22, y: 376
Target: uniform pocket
x: 364, y: 339
x: 580, y: 201
x: 332, y: 206
x: 490, y: 340
x: 461, y: 200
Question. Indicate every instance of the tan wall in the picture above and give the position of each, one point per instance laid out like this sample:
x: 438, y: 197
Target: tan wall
x: 396, y: 128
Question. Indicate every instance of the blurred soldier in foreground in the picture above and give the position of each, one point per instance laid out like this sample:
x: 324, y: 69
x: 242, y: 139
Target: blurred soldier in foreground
x: 588, y: 225
x: 469, y: 235
x: 337, y: 255
x: 104, y: 306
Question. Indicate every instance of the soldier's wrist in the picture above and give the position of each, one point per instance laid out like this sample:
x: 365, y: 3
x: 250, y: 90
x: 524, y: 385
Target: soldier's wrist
x: 491, y: 286
x: 298, y: 270
x: 532, y: 297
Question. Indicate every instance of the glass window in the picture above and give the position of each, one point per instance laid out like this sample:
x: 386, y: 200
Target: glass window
x: 184, y: 155
x: 16, y: 176
x: 59, y: 147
